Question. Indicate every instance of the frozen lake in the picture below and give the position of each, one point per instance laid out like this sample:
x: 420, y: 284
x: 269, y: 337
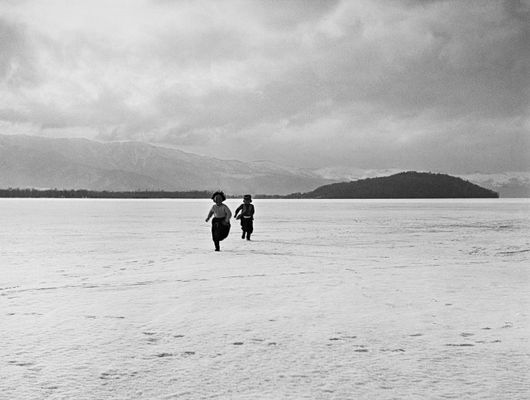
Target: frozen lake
x: 360, y: 299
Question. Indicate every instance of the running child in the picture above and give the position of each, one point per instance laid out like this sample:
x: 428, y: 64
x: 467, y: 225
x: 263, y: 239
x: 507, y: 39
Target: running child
x: 221, y: 219
x: 246, y: 217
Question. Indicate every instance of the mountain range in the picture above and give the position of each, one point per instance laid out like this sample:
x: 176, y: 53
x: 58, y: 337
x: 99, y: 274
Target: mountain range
x: 72, y: 163
x: 38, y: 162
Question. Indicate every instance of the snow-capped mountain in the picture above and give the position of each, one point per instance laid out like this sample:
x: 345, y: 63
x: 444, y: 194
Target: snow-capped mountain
x: 30, y: 161
x: 39, y: 162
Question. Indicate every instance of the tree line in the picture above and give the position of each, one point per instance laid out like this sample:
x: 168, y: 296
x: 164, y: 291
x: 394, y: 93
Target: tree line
x: 103, y: 194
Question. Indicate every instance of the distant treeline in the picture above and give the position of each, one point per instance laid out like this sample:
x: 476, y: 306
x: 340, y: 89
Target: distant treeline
x: 405, y: 185
x: 96, y: 194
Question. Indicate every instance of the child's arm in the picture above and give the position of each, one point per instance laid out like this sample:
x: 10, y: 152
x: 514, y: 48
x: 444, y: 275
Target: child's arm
x: 238, y: 209
x: 228, y: 214
x: 251, y: 211
x: 209, y: 215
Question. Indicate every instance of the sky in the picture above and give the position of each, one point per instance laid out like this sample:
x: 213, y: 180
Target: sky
x: 406, y: 84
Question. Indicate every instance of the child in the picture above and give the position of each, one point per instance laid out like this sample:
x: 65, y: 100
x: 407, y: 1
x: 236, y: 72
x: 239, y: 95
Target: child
x: 221, y: 220
x: 246, y: 217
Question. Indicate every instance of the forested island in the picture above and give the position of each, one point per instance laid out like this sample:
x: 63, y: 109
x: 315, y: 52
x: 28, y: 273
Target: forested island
x: 405, y: 185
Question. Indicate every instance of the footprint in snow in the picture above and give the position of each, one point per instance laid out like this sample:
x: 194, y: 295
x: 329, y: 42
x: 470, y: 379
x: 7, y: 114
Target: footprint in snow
x: 162, y: 355
x: 21, y: 363
x: 110, y: 375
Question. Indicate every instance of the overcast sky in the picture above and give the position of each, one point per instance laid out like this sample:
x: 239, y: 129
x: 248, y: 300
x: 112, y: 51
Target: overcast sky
x: 412, y: 84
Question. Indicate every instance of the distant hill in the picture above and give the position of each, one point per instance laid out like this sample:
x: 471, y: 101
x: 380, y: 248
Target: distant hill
x: 404, y: 185
x: 507, y: 184
x: 45, y: 163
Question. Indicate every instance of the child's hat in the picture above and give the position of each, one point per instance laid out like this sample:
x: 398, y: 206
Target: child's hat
x: 247, y: 197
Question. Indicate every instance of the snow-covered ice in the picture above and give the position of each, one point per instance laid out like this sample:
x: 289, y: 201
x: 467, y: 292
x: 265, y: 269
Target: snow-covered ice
x: 360, y: 299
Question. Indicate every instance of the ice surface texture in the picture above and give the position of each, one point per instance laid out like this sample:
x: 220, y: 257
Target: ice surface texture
x: 106, y: 299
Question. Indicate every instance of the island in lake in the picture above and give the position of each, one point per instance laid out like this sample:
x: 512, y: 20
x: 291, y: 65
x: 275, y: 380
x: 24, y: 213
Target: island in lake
x: 405, y: 185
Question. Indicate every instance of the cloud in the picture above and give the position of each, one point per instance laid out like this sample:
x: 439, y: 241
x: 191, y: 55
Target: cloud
x: 17, y: 67
x: 371, y: 84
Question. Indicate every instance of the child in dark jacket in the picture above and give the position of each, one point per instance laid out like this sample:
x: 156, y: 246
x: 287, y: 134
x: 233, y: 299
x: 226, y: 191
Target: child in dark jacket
x: 246, y: 217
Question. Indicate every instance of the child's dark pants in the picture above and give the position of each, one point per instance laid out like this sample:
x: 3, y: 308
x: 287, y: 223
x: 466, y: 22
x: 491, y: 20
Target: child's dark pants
x: 220, y: 230
x: 247, y: 226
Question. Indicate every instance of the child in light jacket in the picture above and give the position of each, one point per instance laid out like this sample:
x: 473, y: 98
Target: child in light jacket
x: 221, y: 219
